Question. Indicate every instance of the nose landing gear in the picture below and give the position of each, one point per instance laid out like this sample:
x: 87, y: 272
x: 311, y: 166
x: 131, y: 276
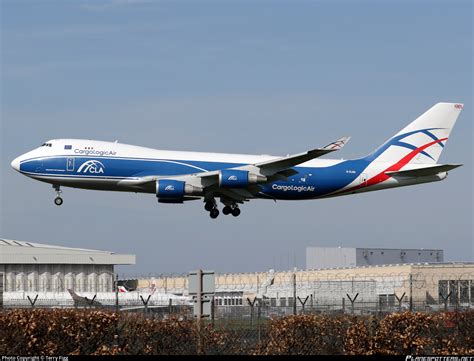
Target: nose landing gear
x: 58, y: 200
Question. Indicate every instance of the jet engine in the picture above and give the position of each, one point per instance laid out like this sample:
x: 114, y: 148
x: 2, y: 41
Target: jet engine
x: 174, y: 191
x: 234, y: 178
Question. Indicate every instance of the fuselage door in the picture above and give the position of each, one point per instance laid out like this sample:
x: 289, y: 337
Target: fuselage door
x: 363, y: 179
x: 70, y: 164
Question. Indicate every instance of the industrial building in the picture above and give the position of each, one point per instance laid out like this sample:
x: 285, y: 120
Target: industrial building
x: 422, y: 284
x: 330, y: 257
x: 33, y: 267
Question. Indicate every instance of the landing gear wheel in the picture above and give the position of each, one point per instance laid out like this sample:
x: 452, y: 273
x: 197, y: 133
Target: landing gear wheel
x: 236, y: 212
x: 209, y: 206
x: 214, y: 213
x: 58, y: 200
x: 227, y: 210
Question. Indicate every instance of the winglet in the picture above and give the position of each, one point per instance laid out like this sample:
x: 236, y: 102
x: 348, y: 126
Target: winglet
x: 338, y: 144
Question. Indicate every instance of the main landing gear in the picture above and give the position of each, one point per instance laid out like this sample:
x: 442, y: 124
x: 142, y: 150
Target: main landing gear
x: 211, y: 207
x: 229, y: 208
x: 58, y: 200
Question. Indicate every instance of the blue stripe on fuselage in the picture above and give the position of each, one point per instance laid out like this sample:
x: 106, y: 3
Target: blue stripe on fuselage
x: 308, y: 183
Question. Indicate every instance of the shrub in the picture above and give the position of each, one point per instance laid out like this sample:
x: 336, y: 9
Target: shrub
x: 98, y: 332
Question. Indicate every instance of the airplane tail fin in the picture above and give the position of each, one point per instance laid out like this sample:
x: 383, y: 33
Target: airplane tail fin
x: 73, y: 294
x: 423, y: 140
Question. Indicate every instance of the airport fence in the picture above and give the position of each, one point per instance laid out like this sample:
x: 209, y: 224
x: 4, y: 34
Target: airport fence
x: 375, y: 290
x: 365, y: 291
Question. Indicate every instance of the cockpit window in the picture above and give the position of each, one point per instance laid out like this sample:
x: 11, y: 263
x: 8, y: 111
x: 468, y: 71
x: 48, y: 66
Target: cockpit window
x: 46, y: 145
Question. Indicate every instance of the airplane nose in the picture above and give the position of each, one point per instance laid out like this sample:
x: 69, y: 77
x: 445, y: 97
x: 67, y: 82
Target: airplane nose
x: 16, y: 164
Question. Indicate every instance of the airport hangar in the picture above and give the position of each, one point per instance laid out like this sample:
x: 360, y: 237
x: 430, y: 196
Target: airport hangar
x: 34, y: 267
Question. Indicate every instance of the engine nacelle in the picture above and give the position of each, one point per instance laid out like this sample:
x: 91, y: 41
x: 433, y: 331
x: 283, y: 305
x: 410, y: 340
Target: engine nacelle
x: 170, y: 190
x: 234, y: 178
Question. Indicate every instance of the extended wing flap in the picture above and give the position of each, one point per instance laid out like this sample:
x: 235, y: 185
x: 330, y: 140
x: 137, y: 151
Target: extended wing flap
x: 425, y: 171
x: 236, y: 195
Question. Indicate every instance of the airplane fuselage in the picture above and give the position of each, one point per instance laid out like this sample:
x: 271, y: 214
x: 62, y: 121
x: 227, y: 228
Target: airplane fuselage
x: 114, y: 166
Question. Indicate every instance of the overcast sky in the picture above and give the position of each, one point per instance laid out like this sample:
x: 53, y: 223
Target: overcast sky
x: 245, y: 77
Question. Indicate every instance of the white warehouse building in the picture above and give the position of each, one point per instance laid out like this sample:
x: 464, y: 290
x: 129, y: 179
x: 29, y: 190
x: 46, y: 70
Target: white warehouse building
x: 33, y: 267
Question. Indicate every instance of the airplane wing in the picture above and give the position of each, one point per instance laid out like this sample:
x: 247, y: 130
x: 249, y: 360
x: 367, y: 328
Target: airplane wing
x: 283, y: 165
x: 274, y: 169
x: 280, y: 164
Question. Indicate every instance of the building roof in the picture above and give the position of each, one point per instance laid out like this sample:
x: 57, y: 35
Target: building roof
x: 411, y: 264
x: 20, y: 252
x: 379, y: 248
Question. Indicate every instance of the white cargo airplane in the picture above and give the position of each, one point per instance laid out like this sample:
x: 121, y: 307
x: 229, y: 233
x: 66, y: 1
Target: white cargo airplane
x: 410, y: 157
x: 95, y: 299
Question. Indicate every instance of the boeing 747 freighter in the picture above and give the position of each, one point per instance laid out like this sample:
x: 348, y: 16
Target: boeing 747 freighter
x: 410, y: 157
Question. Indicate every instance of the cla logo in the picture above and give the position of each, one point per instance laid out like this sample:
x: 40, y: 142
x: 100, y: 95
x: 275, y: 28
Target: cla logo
x: 91, y: 166
x: 232, y: 178
x: 169, y: 188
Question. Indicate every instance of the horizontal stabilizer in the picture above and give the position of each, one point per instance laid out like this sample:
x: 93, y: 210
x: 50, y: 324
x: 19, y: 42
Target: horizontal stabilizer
x: 426, y: 171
